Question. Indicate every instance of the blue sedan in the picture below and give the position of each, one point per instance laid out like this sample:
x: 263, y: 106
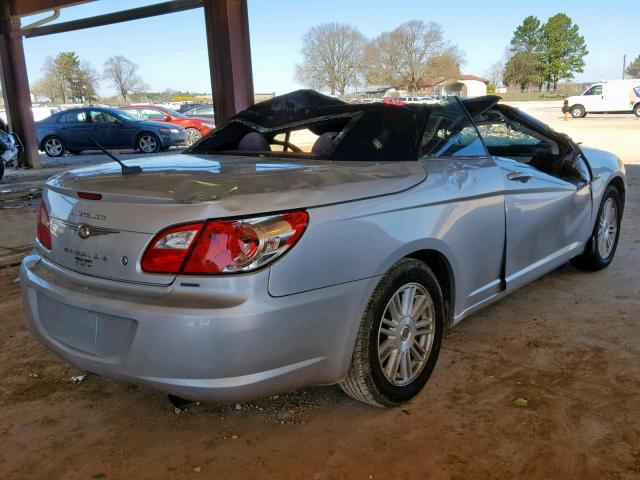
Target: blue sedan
x: 80, y: 128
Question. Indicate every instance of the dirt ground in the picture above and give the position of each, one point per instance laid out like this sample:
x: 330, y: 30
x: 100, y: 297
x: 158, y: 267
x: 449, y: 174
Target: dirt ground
x: 568, y: 343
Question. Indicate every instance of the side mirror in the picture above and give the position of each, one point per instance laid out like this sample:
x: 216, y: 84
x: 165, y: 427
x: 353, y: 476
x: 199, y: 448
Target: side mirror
x: 167, y: 118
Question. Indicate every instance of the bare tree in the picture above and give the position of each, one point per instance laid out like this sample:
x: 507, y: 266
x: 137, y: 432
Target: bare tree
x: 495, y: 73
x: 384, y: 59
x: 332, y: 57
x: 122, y: 73
x: 418, y: 42
x: 412, y: 55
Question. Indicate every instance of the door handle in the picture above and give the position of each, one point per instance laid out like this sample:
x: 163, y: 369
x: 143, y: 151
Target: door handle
x: 519, y: 177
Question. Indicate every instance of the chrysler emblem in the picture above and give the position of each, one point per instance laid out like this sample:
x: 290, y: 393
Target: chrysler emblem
x: 84, y: 231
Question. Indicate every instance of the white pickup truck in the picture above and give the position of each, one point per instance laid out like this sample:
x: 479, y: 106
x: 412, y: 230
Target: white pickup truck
x: 613, y: 96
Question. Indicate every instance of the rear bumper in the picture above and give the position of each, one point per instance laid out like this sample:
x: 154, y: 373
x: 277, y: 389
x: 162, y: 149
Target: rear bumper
x: 228, y: 341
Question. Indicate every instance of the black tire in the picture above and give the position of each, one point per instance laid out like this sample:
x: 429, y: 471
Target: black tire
x: 578, y: 111
x: 366, y: 380
x: 636, y: 110
x: 1, y: 169
x: 53, y: 146
x: 593, y: 259
x: 148, y: 142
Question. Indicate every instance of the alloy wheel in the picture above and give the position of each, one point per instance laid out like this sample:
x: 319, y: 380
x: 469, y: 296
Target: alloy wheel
x: 53, y: 147
x: 148, y: 143
x: 607, y: 228
x: 406, y: 334
x: 193, y: 136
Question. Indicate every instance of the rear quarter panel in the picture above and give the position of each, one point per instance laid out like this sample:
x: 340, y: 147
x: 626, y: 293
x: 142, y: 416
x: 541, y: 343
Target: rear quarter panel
x: 458, y: 211
x: 43, y: 130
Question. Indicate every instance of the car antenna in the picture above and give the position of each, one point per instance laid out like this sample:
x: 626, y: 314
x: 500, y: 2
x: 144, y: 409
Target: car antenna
x: 126, y: 170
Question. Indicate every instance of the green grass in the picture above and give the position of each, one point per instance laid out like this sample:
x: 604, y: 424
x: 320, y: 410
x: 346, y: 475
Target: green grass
x: 531, y: 96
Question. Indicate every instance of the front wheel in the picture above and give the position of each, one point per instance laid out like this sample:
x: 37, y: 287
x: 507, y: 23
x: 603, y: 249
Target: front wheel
x: 399, y: 338
x: 193, y: 135
x: 604, y: 240
x: 636, y: 110
x: 148, y: 143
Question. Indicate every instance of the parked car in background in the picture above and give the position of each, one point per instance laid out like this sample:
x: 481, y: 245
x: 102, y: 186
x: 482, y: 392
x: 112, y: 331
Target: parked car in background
x: 394, y: 101
x: 195, y: 127
x: 252, y: 266
x: 202, y: 111
x: 425, y: 99
x: 78, y: 129
x: 613, y: 96
x: 189, y: 105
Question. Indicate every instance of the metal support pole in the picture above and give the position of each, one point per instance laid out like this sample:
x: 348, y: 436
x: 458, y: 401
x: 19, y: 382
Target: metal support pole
x: 15, y: 86
x: 227, y: 25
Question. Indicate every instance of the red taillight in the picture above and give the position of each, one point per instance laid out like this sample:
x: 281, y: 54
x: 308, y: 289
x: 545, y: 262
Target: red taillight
x: 225, y: 246
x: 90, y: 196
x: 44, y: 226
x: 169, y: 248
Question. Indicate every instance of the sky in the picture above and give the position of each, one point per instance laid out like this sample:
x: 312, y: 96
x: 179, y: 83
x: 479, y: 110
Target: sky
x: 171, y: 50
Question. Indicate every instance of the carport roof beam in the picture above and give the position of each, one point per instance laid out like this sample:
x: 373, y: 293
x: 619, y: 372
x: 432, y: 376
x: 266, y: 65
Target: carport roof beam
x: 115, y: 17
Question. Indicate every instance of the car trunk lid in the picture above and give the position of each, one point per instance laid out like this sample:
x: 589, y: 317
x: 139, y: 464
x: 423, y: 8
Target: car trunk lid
x: 107, y: 237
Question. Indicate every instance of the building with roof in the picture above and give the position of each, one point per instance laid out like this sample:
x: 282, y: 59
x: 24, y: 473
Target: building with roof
x: 462, y: 85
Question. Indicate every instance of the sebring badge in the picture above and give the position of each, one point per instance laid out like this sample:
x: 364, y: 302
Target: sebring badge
x: 84, y: 231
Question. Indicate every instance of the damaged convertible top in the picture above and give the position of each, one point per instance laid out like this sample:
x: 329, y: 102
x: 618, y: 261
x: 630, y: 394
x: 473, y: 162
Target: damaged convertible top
x: 355, y: 132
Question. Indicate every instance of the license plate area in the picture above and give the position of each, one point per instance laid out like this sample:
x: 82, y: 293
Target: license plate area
x: 91, y: 332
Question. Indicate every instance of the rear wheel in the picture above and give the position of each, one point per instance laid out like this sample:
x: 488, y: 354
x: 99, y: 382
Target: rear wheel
x: 604, y: 241
x: 399, y: 339
x: 578, y: 111
x: 193, y: 135
x: 53, y: 146
x: 148, y: 143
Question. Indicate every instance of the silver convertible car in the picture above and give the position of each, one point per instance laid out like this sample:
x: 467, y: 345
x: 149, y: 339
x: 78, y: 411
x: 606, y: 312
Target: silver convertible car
x: 309, y: 241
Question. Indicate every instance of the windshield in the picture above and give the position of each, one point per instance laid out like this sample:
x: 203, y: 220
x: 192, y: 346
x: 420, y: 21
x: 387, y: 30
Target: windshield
x: 172, y: 112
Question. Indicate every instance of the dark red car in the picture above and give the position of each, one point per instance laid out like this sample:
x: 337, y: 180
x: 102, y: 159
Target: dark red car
x: 196, y: 127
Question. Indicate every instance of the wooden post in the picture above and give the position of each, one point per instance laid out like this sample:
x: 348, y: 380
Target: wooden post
x: 15, y: 85
x: 227, y: 25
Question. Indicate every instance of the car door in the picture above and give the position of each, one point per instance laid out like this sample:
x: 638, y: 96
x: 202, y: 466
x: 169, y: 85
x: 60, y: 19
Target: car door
x: 110, y: 131
x: 75, y: 129
x: 455, y: 155
x: 547, y: 212
x: 593, y: 99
